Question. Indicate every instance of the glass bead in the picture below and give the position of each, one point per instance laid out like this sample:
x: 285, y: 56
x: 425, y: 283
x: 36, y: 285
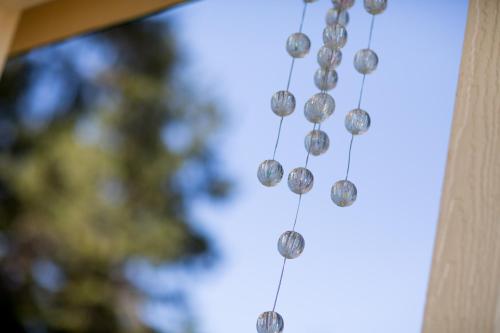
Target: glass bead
x: 298, y: 45
x: 343, y: 4
x: 270, y: 322
x: 291, y: 244
x: 309, y: 1
x: 317, y: 142
x: 283, y: 103
x: 357, y: 121
x: 375, y: 6
x: 365, y: 61
x: 270, y: 173
x: 325, y: 79
x: 300, y: 180
x: 329, y: 58
x: 319, y: 107
x: 344, y: 193
x: 335, y: 36
x: 337, y: 16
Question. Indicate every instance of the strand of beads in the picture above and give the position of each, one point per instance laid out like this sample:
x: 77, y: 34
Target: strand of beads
x: 322, y: 105
x: 270, y: 172
x: 357, y: 121
x: 317, y: 109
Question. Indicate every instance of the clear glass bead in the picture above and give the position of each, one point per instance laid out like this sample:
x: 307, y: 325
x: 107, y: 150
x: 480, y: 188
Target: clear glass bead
x: 337, y: 16
x: 375, y: 6
x: 344, y: 193
x: 291, y: 244
x: 270, y: 322
x: 319, y: 107
x: 357, y: 121
x: 317, y: 142
x: 365, y: 61
x: 329, y: 58
x: 335, y: 36
x: 325, y: 79
x: 300, y: 180
x: 298, y: 45
x: 283, y: 103
x: 343, y: 4
x: 270, y: 172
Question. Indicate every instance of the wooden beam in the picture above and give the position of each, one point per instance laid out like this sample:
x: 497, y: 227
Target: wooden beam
x: 59, y: 19
x: 464, y: 290
x: 8, y: 23
x: 20, y: 4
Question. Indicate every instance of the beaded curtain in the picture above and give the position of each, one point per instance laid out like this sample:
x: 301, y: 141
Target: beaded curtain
x: 317, y: 109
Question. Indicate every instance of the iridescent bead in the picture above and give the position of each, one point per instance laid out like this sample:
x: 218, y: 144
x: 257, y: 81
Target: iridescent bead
x: 317, y: 142
x: 337, y: 16
x: 291, y: 244
x: 283, y: 103
x: 335, y: 36
x: 270, y: 172
x: 343, y: 4
x: 375, y: 6
x: 365, y: 61
x: 298, y: 45
x: 319, y: 107
x: 357, y: 121
x: 270, y: 322
x: 344, y: 193
x: 329, y: 58
x: 325, y: 79
x: 300, y: 180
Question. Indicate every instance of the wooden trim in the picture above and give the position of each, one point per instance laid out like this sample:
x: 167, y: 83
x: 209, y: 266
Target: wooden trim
x: 20, y: 4
x: 464, y: 290
x: 8, y: 22
x: 59, y: 19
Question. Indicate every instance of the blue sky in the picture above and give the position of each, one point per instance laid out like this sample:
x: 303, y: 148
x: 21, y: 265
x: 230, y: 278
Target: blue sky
x: 365, y: 268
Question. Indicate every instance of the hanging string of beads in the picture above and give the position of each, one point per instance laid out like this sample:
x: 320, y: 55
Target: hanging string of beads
x: 270, y: 172
x: 322, y: 105
x: 317, y: 109
x: 357, y: 121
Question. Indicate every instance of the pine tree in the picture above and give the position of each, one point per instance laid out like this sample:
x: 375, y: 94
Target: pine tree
x: 99, y: 166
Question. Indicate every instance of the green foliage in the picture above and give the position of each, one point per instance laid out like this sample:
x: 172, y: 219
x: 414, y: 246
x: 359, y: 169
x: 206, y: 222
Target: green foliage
x: 90, y: 182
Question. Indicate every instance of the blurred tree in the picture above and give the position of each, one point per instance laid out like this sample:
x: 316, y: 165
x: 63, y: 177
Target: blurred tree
x: 102, y: 151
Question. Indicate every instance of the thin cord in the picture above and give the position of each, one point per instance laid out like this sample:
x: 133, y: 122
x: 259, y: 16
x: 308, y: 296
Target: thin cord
x: 309, y: 150
x: 278, y: 138
x: 300, y: 196
x: 279, y: 284
x: 370, y: 38
x: 349, y: 158
x: 295, y: 220
x: 361, y: 90
x: 303, y: 17
x: 297, y: 213
x: 289, y: 81
x: 290, y: 72
x: 371, y: 31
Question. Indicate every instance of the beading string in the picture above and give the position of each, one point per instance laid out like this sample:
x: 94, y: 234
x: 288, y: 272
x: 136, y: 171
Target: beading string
x: 290, y: 75
x: 318, y: 126
x: 289, y: 81
x: 279, y: 284
x: 318, y: 108
x: 360, y: 99
x: 295, y: 220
